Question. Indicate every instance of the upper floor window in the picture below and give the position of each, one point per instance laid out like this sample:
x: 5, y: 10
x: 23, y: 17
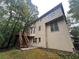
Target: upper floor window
x: 39, y: 28
x: 31, y: 29
x: 34, y: 30
x: 54, y: 27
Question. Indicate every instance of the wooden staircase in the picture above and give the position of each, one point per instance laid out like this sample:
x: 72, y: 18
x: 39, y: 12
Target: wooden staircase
x: 23, y: 40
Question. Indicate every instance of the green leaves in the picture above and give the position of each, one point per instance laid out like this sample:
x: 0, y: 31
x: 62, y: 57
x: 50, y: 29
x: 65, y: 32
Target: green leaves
x: 75, y: 32
x: 20, y: 13
x: 74, y: 8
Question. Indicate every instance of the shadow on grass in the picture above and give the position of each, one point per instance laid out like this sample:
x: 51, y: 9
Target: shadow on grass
x: 6, y: 49
x: 55, y: 51
x: 63, y: 54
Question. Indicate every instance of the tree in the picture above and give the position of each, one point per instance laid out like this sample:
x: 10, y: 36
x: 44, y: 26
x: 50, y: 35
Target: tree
x: 74, y: 9
x: 19, y: 15
x: 75, y: 32
x: 73, y: 28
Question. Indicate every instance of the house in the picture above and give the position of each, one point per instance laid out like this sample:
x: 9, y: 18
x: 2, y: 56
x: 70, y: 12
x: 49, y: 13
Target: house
x: 51, y: 31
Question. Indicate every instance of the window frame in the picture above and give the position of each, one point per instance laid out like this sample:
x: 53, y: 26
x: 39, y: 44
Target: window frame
x: 39, y: 39
x: 54, y: 27
x: 33, y: 30
x: 39, y: 28
x: 35, y: 40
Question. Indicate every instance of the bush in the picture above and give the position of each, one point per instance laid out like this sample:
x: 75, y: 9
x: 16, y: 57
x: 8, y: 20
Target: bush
x: 69, y: 56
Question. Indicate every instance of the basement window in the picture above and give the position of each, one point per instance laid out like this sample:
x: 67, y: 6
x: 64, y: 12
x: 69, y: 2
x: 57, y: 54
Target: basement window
x: 35, y: 40
x: 39, y: 39
x: 54, y: 27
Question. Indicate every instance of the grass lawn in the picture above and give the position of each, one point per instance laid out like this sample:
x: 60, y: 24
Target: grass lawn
x: 30, y: 54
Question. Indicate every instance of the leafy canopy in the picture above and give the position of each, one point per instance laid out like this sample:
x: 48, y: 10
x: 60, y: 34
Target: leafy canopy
x: 15, y: 15
x: 74, y: 8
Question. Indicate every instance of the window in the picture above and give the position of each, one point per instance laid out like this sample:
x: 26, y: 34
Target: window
x: 31, y: 29
x: 39, y: 28
x: 54, y: 27
x: 35, y: 40
x: 34, y: 30
x: 39, y: 39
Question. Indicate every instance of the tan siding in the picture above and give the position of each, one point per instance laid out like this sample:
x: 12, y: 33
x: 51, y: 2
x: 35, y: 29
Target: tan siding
x: 61, y: 39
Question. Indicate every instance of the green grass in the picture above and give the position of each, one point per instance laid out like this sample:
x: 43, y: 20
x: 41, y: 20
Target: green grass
x: 32, y: 54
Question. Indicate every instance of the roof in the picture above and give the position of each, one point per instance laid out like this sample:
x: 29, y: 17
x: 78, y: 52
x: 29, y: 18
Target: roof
x: 56, y: 19
x: 53, y: 9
